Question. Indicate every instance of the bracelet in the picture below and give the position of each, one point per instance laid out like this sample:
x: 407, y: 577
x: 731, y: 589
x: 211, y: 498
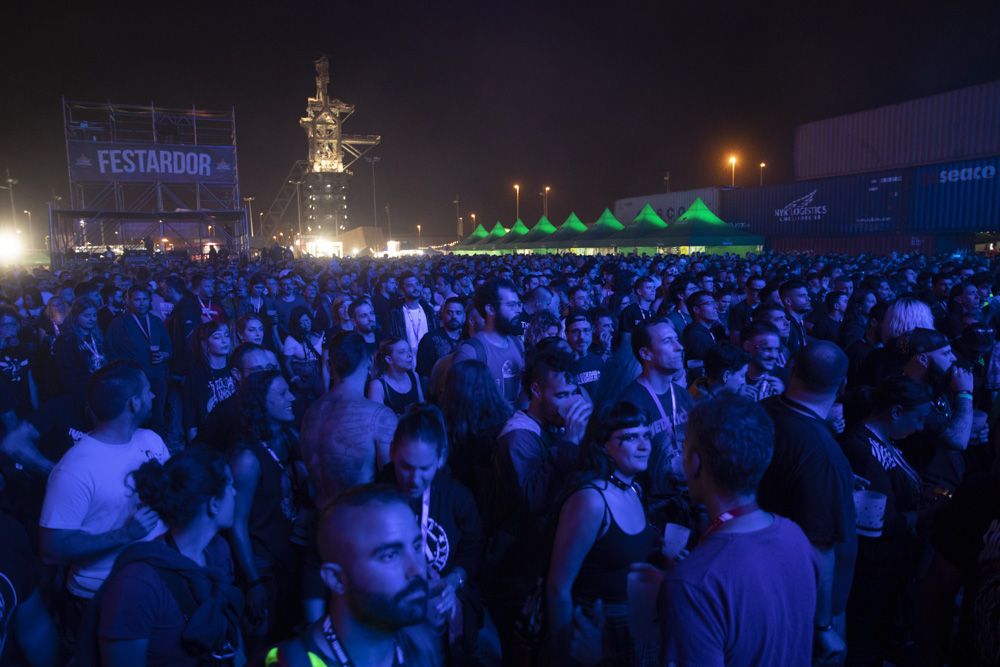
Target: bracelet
x: 963, y: 394
x: 824, y: 628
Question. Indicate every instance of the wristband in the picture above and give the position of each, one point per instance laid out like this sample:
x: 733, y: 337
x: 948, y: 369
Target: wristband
x: 963, y: 394
x: 824, y: 628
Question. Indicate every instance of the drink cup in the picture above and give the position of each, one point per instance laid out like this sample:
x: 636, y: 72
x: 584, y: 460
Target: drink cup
x: 836, y: 417
x: 675, y: 539
x: 870, y: 508
x: 154, y: 353
x: 643, y: 586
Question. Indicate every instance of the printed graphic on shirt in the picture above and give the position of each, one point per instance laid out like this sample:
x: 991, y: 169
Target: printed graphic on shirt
x: 219, y: 389
x: 14, y: 368
x: 437, y: 548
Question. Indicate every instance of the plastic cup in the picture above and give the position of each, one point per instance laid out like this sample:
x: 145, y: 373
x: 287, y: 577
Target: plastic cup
x: 154, y: 351
x: 870, y: 508
x: 675, y: 538
x: 643, y: 593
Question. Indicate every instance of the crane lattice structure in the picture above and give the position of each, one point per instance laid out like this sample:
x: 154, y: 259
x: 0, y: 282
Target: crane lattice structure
x: 325, y: 173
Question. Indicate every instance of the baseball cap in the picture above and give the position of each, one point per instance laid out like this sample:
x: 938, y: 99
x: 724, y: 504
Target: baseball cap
x: 920, y: 341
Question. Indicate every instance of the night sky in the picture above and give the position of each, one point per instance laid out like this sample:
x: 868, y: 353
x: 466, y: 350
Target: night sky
x: 470, y: 98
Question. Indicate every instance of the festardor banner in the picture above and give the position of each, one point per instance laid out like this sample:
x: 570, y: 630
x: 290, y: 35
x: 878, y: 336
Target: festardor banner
x: 168, y: 163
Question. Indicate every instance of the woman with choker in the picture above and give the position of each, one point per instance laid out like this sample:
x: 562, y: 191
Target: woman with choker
x: 304, y: 357
x: 210, y: 381
x: 886, y: 563
x: 171, y: 601
x: 258, y: 304
x: 395, y: 385
x: 78, y: 354
x: 602, y: 530
x: 449, y: 523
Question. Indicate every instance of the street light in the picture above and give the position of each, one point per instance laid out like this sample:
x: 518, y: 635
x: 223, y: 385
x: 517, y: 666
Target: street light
x: 28, y: 213
x: 419, y: 235
x: 732, y: 163
x: 517, y: 202
x: 249, y: 201
x: 473, y: 216
x: 545, y: 201
x: 762, y: 165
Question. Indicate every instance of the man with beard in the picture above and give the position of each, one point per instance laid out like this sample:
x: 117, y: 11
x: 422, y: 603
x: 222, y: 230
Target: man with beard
x: 536, y: 455
x: 765, y: 376
x: 936, y: 452
x: 91, y: 512
x: 142, y: 338
x: 385, y: 300
x: 701, y: 335
x: 445, y: 339
x: 414, y: 318
x: 795, y: 298
x: 587, y: 366
x: 363, y: 316
x: 656, y: 347
x: 114, y: 304
x: 497, y: 345
x: 377, y: 579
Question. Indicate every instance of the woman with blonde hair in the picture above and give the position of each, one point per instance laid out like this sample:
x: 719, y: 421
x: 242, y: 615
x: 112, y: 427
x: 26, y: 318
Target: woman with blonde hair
x: 904, y: 315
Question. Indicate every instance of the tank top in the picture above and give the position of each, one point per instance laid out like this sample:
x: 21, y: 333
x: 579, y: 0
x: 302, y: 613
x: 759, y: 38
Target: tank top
x: 604, y: 572
x: 398, y: 402
x: 270, y: 521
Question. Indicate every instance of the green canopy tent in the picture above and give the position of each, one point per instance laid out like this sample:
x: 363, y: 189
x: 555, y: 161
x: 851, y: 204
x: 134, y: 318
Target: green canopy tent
x: 569, y: 229
x: 699, y: 228
x: 606, y: 225
x: 516, y: 234
x: 542, y: 230
x: 646, y: 223
x: 477, y: 235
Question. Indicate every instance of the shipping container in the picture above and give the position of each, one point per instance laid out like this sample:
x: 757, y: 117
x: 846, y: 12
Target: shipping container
x: 668, y: 205
x: 956, y: 125
x: 872, y: 244
x: 957, y: 197
x: 848, y: 205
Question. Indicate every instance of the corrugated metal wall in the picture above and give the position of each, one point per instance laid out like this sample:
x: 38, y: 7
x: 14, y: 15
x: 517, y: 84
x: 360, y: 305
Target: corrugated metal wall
x: 952, y: 126
x: 668, y: 205
x: 849, y: 205
x: 872, y: 244
x: 960, y: 196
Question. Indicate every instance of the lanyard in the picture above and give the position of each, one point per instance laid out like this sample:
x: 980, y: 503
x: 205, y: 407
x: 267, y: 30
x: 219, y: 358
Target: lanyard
x: 281, y: 466
x: 659, y: 406
x: 425, y: 516
x: 726, y: 517
x: 341, y: 654
x: 148, y: 331
x: 91, y: 346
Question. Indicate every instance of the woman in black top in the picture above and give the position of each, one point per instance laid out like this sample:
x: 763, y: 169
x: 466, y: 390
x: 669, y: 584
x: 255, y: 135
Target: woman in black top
x: 602, y: 530
x: 450, y: 524
x: 395, y: 385
x: 885, y: 564
x: 270, y: 482
x: 210, y: 381
x: 79, y: 350
x: 171, y: 601
x: 304, y: 354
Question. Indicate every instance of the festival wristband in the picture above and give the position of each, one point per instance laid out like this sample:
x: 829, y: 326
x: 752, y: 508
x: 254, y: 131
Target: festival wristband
x: 963, y: 394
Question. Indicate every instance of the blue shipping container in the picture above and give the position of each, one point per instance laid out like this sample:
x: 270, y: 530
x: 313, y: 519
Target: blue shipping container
x: 846, y: 205
x: 959, y: 196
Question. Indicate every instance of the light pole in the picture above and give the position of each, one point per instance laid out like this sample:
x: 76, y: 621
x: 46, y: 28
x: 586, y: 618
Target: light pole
x: 762, y: 165
x: 388, y: 222
x: 249, y: 203
x: 545, y: 201
x: 473, y: 216
x: 373, y: 160
x: 11, y: 182
x: 517, y: 202
x: 732, y: 163
x: 30, y: 230
x: 298, y: 202
x: 458, y: 217
x: 419, y: 236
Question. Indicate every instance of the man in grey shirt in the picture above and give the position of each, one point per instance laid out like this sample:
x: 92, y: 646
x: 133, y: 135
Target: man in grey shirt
x: 498, y: 345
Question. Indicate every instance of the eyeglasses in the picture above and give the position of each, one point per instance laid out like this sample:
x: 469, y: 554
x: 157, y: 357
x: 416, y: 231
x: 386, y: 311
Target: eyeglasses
x: 258, y: 369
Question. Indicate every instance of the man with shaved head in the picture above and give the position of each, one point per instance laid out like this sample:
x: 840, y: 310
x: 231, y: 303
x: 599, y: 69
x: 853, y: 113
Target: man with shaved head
x: 377, y: 583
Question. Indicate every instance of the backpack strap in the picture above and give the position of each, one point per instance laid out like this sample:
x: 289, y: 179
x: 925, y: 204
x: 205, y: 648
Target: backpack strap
x: 478, y: 346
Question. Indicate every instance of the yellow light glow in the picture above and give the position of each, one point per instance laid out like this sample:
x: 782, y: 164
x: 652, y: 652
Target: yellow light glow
x: 163, y: 240
x: 732, y: 159
x: 11, y: 248
x: 763, y: 164
x: 517, y: 187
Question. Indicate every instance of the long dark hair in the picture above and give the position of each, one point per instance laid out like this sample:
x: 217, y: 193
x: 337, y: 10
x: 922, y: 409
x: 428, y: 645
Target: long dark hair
x: 473, y: 407
x: 255, y: 422
x: 176, y: 490
x: 202, y: 334
x: 295, y: 329
x: 593, y: 459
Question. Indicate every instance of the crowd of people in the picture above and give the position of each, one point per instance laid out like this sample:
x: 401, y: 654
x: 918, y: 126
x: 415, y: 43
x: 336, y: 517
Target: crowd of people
x: 777, y: 459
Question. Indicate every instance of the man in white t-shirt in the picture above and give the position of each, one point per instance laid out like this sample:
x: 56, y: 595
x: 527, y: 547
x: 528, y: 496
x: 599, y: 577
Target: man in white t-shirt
x: 411, y: 321
x: 90, y: 512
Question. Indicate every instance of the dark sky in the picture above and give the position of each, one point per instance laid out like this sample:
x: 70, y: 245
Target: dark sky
x: 472, y: 97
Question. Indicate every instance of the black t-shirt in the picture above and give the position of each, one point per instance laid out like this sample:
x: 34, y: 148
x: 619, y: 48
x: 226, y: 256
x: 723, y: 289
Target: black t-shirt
x: 204, y: 389
x: 631, y: 316
x: 18, y: 575
x: 587, y: 371
x: 957, y: 533
x: 810, y: 482
x: 221, y: 427
x: 665, y: 471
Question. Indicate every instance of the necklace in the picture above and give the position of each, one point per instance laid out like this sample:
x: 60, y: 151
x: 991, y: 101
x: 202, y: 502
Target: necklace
x: 726, y: 517
x: 620, y: 483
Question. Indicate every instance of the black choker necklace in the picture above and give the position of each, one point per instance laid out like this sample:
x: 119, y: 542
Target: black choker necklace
x: 621, y: 484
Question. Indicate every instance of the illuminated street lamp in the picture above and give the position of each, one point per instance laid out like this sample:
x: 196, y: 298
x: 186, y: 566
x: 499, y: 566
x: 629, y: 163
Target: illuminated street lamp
x: 732, y: 163
x: 28, y: 213
x: 545, y: 201
x: 762, y: 165
x: 419, y: 235
x: 517, y: 202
